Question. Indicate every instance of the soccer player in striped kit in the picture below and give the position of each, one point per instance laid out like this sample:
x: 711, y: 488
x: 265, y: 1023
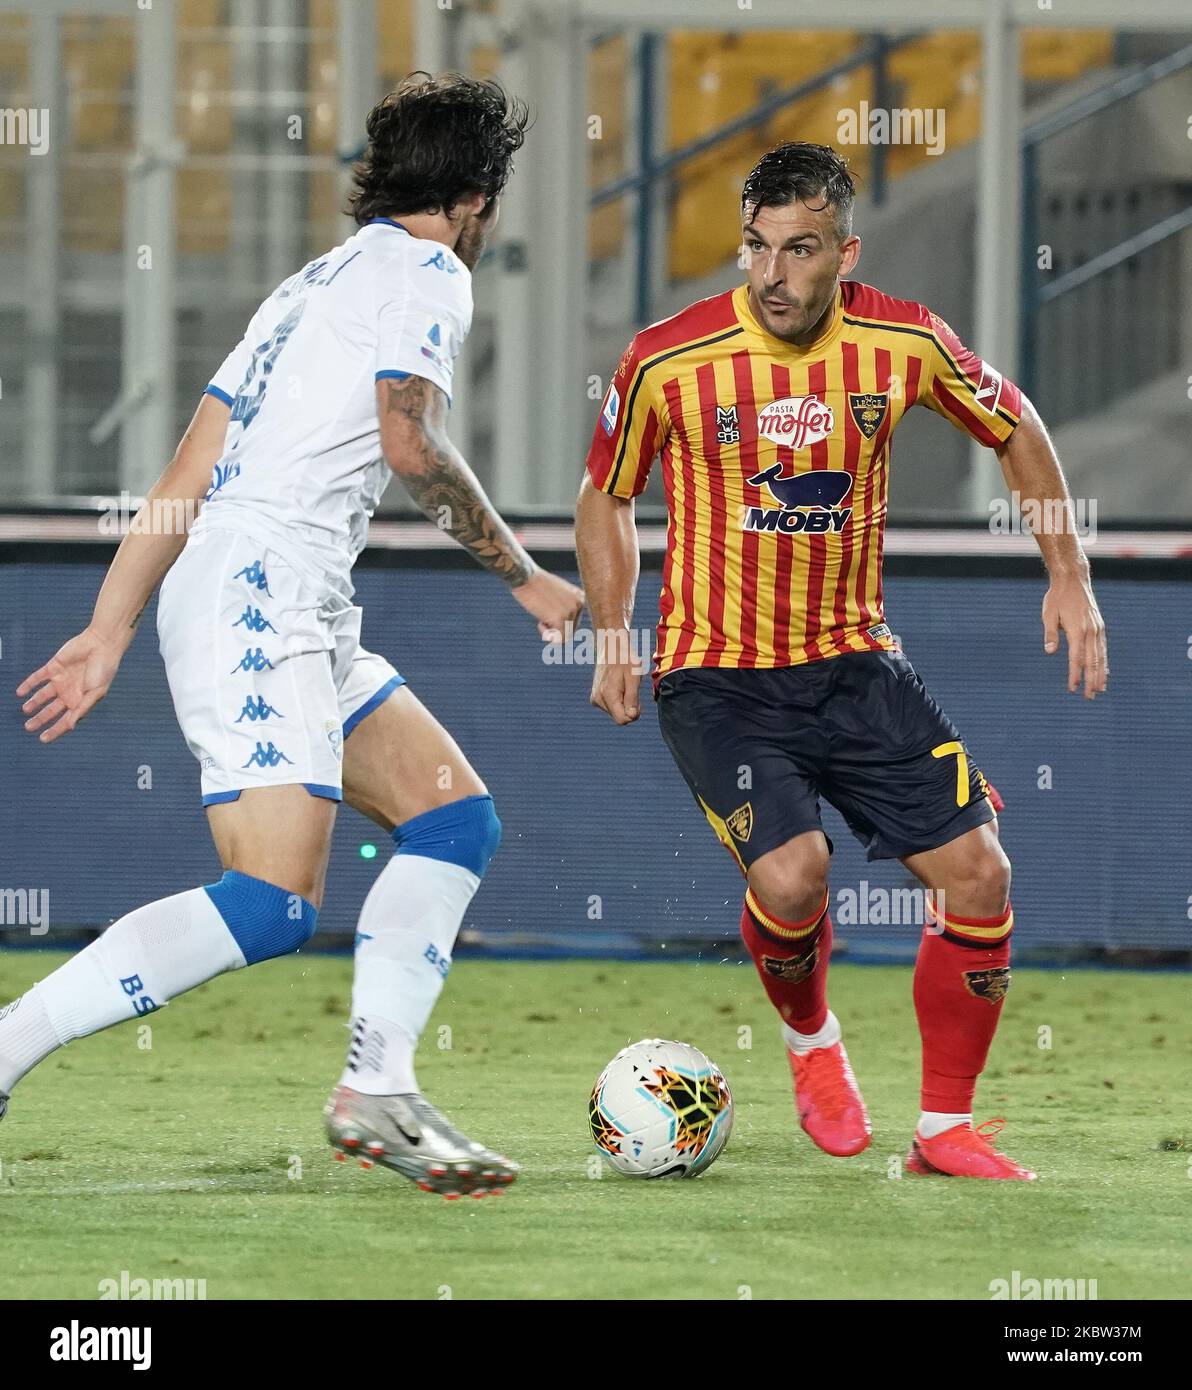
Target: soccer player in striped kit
x: 772, y: 408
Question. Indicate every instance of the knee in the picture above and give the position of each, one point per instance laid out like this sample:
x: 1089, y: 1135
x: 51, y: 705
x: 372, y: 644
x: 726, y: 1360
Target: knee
x: 465, y: 832
x: 792, y: 881
x: 265, y: 921
x: 985, y: 884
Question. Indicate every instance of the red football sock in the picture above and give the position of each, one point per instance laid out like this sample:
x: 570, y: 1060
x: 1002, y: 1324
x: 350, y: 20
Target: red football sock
x: 792, y: 959
x: 961, y: 977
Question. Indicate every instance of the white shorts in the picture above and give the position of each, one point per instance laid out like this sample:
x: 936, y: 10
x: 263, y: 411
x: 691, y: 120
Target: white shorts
x: 266, y: 671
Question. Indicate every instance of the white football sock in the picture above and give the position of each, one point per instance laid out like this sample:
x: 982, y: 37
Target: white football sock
x: 146, y: 958
x: 800, y: 1043
x: 407, y: 930
x: 933, y: 1122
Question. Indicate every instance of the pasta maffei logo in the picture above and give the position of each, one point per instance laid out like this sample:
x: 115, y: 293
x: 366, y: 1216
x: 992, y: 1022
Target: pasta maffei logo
x: 796, y: 422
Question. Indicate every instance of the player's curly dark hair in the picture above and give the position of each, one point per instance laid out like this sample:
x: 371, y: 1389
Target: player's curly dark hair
x: 811, y: 174
x: 432, y: 142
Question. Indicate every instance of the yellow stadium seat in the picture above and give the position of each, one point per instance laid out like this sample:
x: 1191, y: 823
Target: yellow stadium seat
x: 93, y: 219
x: 204, y: 211
x: 203, y: 111
x: 608, y: 154
x: 98, y: 57
x: 1062, y: 54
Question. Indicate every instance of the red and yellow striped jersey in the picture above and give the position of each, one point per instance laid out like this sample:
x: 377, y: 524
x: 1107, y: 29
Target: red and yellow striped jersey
x: 775, y: 462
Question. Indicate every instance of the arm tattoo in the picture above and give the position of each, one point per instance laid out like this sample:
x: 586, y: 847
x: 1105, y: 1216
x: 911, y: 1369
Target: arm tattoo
x: 444, y: 487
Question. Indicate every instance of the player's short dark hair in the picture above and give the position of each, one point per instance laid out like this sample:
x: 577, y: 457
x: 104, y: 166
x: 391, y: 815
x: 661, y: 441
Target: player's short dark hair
x: 434, y: 141
x: 800, y: 171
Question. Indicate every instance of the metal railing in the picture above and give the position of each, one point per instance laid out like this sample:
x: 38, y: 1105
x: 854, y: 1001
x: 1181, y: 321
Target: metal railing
x: 653, y: 166
x: 1034, y: 293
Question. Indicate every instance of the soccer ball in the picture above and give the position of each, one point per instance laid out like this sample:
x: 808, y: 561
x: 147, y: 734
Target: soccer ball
x: 660, y: 1110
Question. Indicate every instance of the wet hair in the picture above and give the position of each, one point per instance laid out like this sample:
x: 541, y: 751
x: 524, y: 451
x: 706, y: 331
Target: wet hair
x: 434, y: 141
x: 799, y: 171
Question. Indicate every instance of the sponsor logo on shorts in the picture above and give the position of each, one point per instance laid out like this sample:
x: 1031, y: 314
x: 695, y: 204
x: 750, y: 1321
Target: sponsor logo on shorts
x: 988, y: 984
x: 260, y: 709
x: 252, y: 661
x: 267, y: 757
x: 740, y: 823
x: 254, y: 620
x: 255, y: 575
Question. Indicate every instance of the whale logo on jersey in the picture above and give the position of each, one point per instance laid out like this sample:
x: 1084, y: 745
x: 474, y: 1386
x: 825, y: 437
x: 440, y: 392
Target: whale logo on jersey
x: 796, y: 422
x: 808, y: 501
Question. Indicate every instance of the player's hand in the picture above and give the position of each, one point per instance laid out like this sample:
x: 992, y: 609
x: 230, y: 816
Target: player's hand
x: 1069, y: 606
x: 555, y: 602
x: 615, y: 690
x: 69, y: 685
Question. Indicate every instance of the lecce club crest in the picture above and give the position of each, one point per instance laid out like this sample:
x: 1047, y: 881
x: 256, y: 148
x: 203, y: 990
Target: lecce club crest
x: 868, y: 410
x: 988, y: 984
x: 740, y: 823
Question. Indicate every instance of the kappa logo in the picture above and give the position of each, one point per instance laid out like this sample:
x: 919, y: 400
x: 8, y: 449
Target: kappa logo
x: 868, y: 410
x: 440, y: 262
x: 260, y: 709
x: 254, y: 620
x: 791, y: 970
x: 740, y: 823
x: 266, y: 757
x: 796, y: 422
x: 988, y: 984
x: 728, y: 428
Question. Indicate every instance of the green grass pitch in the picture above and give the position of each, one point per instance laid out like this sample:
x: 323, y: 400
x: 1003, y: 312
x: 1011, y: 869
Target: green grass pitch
x: 202, y: 1156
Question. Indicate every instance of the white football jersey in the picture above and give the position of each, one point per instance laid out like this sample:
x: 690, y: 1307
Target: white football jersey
x: 302, y: 465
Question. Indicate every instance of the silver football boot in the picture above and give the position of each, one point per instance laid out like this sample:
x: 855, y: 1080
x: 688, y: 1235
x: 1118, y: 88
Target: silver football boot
x: 3, y: 1104
x: 406, y: 1133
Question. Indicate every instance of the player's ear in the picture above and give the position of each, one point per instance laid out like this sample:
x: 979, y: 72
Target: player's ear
x: 850, y: 254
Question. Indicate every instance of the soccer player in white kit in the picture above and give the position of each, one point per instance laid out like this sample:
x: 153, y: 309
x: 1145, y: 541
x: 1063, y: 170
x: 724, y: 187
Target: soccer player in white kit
x: 342, y: 379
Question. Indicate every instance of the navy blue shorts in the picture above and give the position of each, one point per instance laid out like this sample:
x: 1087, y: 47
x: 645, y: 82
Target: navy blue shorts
x: 758, y: 748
